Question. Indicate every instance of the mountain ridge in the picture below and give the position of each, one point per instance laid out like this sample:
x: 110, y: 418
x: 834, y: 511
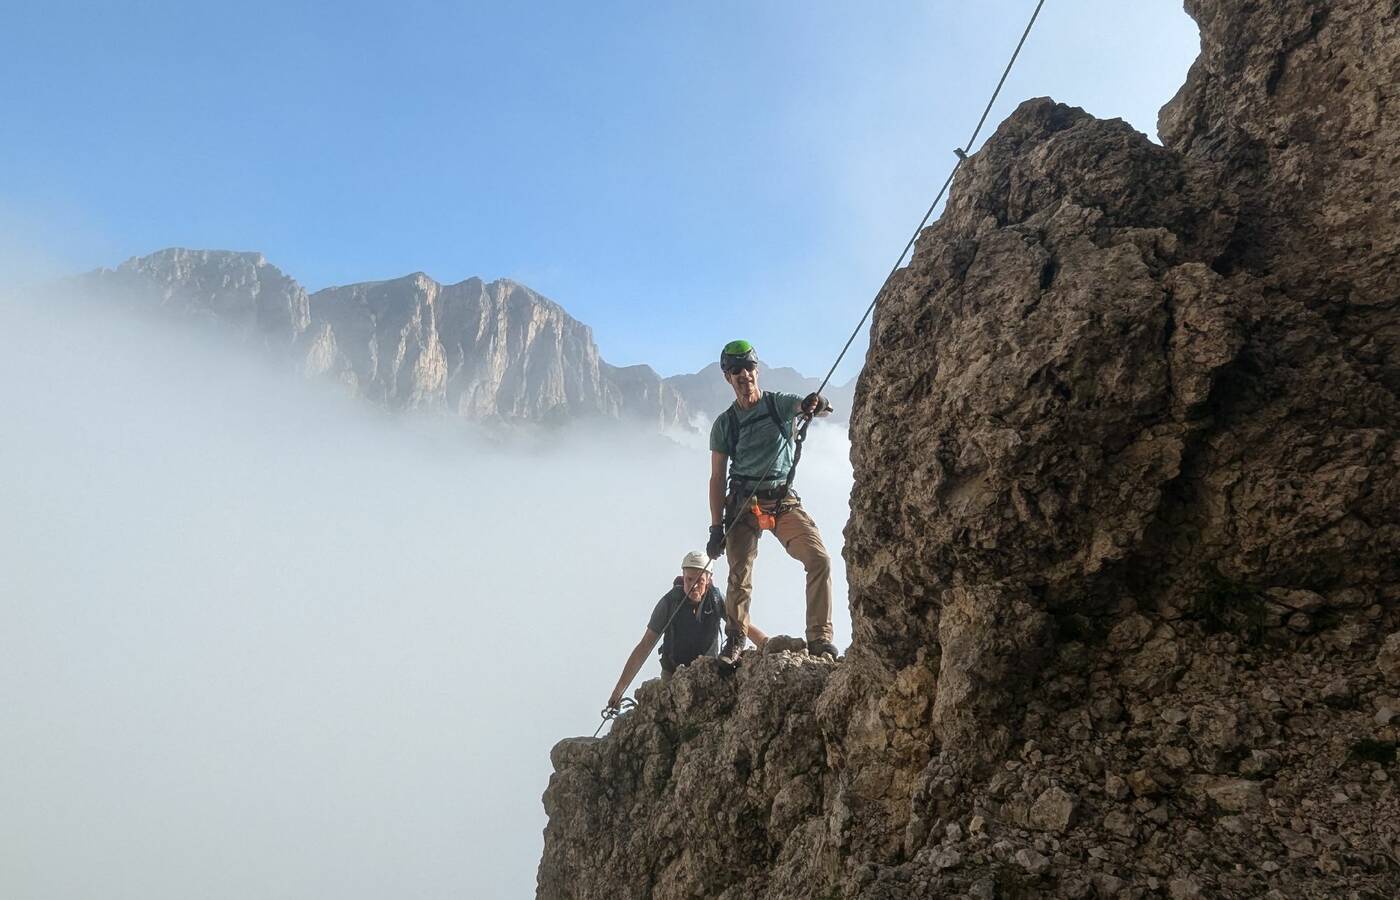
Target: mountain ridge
x: 479, y: 350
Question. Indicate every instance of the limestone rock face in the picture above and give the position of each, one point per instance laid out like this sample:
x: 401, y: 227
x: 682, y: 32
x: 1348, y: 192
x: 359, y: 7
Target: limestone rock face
x: 1125, y: 538
x: 511, y: 351
x: 638, y: 392
x: 712, y: 787
x: 237, y: 293
x: 1297, y: 104
x: 493, y: 351
x: 386, y: 342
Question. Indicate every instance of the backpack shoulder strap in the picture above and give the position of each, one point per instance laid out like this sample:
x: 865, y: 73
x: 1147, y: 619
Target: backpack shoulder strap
x: 733, y: 418
x: 677, y: 597
x: 717, y: 598
x: 772, y: 404
x: 665, y: 647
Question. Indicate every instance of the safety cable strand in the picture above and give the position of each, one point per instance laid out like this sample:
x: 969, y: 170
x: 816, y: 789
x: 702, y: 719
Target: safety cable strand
x: 962, y: 156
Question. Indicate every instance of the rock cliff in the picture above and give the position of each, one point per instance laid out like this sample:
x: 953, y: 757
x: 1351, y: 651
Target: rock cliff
x: 493, y: 351
x: 229, y: 293
x: 1124, y: 551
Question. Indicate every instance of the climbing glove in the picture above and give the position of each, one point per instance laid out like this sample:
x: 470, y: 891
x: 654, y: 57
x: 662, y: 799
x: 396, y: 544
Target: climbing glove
x: 816, y: 405
x: 715, y: 546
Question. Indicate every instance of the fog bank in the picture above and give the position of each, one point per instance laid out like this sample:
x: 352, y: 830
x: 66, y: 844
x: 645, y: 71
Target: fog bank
x: 257, y: 640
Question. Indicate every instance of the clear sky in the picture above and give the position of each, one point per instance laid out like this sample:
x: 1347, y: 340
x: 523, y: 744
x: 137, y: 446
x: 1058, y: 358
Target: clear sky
x: 674, y: 174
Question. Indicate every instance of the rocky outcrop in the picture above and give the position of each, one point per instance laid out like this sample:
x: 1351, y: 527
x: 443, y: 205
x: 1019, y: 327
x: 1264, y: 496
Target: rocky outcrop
x: 1295, y: 104
x: 1123, y: 551
x: 712, y: 787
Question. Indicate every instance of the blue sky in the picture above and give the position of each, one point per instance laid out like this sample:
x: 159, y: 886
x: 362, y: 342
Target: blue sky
x: 674, y: 174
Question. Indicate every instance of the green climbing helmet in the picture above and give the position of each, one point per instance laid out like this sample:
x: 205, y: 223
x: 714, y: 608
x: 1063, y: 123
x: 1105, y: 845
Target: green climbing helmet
x: 738, y: 355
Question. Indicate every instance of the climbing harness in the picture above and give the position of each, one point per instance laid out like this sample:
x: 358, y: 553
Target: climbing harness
x: 801, y: 435
x: 767, y: 521
x: 733, y: 510
x: 764, y: 521
x: 962, y: 154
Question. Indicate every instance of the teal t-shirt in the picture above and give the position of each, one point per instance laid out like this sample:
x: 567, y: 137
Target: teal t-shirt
x: 759, y: 440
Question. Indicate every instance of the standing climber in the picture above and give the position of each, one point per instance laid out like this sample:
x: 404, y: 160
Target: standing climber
x: 688, y: 617
x: 751, y: 457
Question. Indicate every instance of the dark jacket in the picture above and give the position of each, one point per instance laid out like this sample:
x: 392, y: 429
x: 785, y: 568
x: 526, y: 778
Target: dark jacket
x: 686, y: 635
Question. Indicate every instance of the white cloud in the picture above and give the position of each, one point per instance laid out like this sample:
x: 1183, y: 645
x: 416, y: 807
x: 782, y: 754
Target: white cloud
x: 260, y: 642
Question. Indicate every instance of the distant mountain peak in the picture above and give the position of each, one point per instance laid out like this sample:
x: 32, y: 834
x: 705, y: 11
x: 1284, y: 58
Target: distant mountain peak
x: 495, y: 350
x: 178, y: 255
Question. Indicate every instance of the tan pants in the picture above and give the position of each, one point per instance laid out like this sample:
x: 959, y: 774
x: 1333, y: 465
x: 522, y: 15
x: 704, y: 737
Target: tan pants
x: 798, y: 534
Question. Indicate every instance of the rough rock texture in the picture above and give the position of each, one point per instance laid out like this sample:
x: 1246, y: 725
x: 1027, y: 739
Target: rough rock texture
x: 1124, y: 551
x: 1296, y: 103
x: 387, y: 345
x: 711, y: 779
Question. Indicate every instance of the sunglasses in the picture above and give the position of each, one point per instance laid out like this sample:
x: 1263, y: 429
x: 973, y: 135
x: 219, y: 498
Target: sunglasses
x: 740, y: 367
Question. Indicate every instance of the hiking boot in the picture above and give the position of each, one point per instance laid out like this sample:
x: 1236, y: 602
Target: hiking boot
x: 823, y: 648
x: 733, y: 646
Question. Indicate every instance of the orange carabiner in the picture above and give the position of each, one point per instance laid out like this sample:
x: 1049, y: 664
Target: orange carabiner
x: 764, y: 520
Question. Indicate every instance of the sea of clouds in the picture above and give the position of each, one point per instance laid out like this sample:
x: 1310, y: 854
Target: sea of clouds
x: 257, y: 640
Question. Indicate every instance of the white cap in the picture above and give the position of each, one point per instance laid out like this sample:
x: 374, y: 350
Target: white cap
x: 695, y: 560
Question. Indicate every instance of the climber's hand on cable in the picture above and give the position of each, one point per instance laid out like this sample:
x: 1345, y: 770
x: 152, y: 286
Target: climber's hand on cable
x: 815, y: 405
x: 715, y: 546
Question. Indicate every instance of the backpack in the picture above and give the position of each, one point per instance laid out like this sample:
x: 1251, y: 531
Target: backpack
x: 711, y: 596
